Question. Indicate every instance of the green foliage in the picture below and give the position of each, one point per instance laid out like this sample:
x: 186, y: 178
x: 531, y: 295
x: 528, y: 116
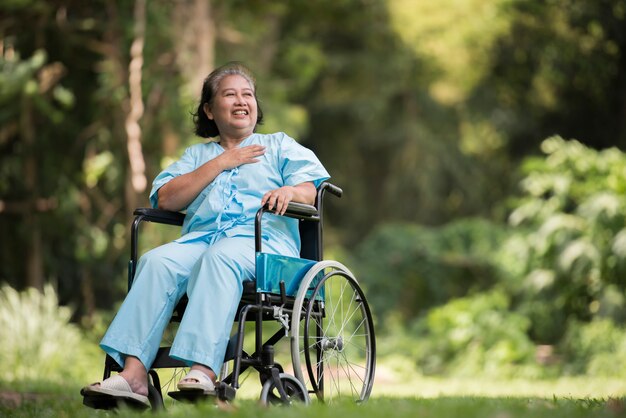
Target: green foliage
x: 37, y: 341
x: 475, y: 335
x: 596, y: 348
x: 418, y: 267
x: 553, y: 72
x: 467, y: 29
x: 559, y: 270
x: 573, y: 254
x: 421, y: 112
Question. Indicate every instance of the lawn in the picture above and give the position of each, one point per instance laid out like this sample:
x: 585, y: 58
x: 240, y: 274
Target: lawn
x: 384, y: 407
x: 419, y: 397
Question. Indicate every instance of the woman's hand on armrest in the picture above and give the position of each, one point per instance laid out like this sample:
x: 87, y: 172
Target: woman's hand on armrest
x: 278, y: 199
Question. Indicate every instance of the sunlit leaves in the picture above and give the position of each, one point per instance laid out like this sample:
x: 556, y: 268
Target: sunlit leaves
x: 457, y: 35
x: 17, y: 76
x: 95, y: 166
x: 573, y: 209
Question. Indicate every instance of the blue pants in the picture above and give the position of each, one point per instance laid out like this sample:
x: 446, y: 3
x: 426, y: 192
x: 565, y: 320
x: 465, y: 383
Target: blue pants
x: 212, y: 277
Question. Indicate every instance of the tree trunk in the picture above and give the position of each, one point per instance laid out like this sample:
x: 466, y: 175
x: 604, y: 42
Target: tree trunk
x: 194, y: 20
x: 34, y: 259
x: 136, y: 108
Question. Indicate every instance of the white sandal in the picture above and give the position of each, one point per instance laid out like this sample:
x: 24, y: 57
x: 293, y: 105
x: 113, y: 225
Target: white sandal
x: 115, y: 387
x: 202, y: 382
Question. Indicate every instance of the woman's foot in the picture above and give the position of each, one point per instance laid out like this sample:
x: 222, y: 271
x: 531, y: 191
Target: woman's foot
x: 116, y: 387
x: 136, y: 375
x: 138, y: 383
x: 199, y: 378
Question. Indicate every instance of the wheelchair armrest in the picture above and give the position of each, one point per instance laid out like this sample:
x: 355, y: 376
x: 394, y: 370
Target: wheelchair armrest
x: 160, y: 216
x: 297, y: 210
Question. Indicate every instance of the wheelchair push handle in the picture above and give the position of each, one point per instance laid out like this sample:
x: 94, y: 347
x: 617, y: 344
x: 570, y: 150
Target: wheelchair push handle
x: 331, y: 188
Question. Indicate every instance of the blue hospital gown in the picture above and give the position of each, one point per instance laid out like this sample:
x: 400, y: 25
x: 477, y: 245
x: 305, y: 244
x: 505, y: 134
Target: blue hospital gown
x: 227, y: 206
x: 213, y: 256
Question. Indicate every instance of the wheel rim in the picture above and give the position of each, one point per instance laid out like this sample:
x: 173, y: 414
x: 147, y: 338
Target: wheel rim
x: 335, y: 340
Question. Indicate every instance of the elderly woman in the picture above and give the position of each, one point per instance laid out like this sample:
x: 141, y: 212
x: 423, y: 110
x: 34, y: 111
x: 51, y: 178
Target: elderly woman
x: 220, y: 184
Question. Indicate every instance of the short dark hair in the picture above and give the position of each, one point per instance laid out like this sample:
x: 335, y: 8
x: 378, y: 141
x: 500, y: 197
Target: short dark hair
x: 205, y: 127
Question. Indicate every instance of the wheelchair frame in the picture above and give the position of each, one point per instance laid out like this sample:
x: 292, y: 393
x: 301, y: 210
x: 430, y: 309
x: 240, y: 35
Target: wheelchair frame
x: 259, y: 305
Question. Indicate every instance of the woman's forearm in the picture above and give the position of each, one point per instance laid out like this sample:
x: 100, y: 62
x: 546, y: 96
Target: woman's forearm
x: 179, y: 192
x: 304, y: 193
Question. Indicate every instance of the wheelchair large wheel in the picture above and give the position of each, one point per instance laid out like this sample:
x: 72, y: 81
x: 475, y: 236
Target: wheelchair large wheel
x: 333, y: 346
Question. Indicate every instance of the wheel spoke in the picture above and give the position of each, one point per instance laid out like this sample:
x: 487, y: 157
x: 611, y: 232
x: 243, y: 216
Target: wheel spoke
x: 347, y: 320
x: 349, y: 376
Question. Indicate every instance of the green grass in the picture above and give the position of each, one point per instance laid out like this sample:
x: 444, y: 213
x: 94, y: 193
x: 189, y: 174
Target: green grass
x: 419, y: 397
x: 399, y: 391
x: 566, y: 387
x: 70, y: 406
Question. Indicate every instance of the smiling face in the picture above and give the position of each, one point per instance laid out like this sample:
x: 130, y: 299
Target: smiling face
x: 233, y: 108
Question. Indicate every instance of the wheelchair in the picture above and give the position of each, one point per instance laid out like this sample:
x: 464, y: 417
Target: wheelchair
x: 318, y: 305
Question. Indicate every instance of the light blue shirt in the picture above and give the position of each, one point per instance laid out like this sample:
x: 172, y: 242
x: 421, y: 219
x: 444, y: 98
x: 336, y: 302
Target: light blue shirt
x: 228, y: 205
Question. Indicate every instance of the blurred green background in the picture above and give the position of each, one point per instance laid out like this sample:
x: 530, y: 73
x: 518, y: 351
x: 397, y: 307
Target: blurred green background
x: 480, y: 145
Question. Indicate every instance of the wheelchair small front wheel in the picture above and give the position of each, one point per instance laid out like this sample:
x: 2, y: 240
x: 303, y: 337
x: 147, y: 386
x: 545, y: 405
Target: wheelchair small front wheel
x: 333, y: 346
x: 295, y: 391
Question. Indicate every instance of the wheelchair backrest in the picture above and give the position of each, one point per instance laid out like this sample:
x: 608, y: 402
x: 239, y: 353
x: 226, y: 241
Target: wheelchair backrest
x: 311, y: 233
x: 311, y: 240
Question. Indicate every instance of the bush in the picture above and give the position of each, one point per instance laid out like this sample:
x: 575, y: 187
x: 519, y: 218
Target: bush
x: 408, y: 268
x: 37, y: 341
x: 475, y: 335
x: 574, y: 251
x: 597, y: 348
